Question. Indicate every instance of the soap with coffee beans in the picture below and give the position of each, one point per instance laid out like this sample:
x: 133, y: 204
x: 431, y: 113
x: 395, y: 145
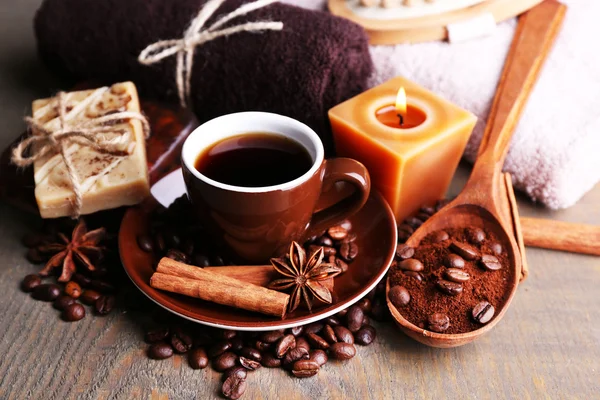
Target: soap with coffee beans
x: 106, y: 180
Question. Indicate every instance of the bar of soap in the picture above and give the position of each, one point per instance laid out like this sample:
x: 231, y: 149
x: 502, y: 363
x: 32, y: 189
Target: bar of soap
x: 107, y: 181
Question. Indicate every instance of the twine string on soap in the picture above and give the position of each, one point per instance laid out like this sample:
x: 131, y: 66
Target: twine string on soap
x: 196, y: 35
x: 44, y: 141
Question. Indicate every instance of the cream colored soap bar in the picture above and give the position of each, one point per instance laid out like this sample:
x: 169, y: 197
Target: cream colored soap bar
x: 107, y: 181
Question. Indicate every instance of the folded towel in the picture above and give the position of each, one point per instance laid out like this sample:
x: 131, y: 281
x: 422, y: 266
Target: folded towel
x: 314, y: 63
x: 553, y: 153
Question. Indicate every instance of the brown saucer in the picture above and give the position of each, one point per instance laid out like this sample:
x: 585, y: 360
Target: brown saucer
x: 376, y: 229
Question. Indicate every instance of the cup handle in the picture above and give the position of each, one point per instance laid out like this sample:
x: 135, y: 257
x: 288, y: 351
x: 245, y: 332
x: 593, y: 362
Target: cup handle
x: 340, y: 170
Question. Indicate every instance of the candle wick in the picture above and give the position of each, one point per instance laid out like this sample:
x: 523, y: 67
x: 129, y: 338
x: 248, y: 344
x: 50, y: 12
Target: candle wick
x: 401, y: 119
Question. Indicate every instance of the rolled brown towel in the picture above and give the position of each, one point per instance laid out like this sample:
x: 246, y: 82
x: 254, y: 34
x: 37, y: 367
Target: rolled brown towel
x: 315, y: 62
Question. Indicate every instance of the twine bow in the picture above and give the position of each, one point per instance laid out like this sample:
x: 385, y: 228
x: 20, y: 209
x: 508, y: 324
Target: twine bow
x: 44, y: 141
x: 195, y: 35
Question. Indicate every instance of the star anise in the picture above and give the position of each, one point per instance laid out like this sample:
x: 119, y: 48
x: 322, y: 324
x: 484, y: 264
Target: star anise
x: 83, y: 247
x: 304, y: 275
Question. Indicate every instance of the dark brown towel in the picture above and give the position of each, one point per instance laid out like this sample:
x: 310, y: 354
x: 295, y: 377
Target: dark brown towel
x: 314, y: 63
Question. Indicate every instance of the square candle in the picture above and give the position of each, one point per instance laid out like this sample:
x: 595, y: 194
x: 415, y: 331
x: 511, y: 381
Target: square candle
x: 411, y: 163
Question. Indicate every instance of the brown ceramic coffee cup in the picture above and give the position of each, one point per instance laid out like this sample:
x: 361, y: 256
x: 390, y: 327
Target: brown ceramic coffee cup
x: 257, y: 223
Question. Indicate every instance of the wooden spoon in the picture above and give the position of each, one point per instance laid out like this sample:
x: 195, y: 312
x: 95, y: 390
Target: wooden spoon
x: 483, y: 202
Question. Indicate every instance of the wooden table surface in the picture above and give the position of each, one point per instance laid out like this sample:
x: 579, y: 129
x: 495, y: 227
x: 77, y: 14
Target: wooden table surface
x: 547, y: 346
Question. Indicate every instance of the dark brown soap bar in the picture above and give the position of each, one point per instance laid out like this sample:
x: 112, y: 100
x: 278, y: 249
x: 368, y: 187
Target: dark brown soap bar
x: 170, y: 126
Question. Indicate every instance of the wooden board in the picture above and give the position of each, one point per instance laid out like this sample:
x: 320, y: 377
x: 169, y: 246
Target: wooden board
x: 431, y: 27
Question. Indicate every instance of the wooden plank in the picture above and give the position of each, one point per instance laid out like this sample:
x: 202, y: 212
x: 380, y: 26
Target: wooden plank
x: 530, y: 354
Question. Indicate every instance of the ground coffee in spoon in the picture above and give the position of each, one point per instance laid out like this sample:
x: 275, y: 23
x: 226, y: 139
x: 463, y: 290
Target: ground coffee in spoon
x: 456, y: 280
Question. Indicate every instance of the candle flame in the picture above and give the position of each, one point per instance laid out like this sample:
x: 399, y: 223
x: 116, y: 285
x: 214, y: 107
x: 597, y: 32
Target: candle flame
x: 401, y: 102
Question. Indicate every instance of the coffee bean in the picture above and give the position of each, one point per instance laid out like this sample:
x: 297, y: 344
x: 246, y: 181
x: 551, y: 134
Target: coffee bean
x: 156, y: 335
x: 464, y: 250
x: 73, y: 289
x: 365, y: 335
x: 342, y: 351
x: 250, y: 353
x: 82, y: 280
x: 411, y: 264
x: 302, y: 342
x: 354, y: 318
x: 349, y: 251
x: 217, y: 261
x: 449, y: 288
x: 439, y: 236
x: 415, y: 223
x: 103, y: 286
x: 438, y: 322
x: 325, y: 241
x: 89, y: 297
x: 341, y: 264
x: 380, y: 311
x: 74, y: 312
x: 343, y: 334
x: 414, y: 275
x: 406, y: 229
x: 219, y: 348
x: 181, y: 341
x: 496, y: 248
x: 226, y: 334
x: 454, y: 261
x: 63, y: 301
x: 159, y: 243
x: 295, y: 354
x: 34, y: 256
x: 337, y: 232
x: 296, y: 331
x: 46, y: 292
x: 234, y: 387
x: 441, y: 204
x: 317, y: 341
x: 403, y: 236
x: 271, y: 336
x: 332, y: 320
x: 399, y: 296
x: 200, y: 260
x: 404, y: 252
x: 456, y: 275
x: 262, y: 346
x: 314, y: 327
x: 270, y: 361
x: 366, y: 321
x: 104, y: 305
x: 237, y: 371
x: 427, y: 210
x: 101, y: 273
x: 160, y: 351
x: 318, y: 356
x: 178, y: 256
x: 329, y: 334
x: 145, y: 243
x: 365, y: 305
x: 224, y: 361
x: 30, y: 282
x: 342, y: 313
x: 476, y: 235
x: 197, y: 358
x: 249, y: 364
x: 237, y: 344
x: 305, y: 368
x: 285, y: 344
x: 489, y: 262
x: 350, y: 238
x: 483, y: 312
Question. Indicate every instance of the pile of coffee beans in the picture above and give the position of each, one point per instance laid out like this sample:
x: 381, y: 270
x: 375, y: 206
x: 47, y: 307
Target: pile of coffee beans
x: 303, y: 350
x: 453, y: 282
x: 95, y: 289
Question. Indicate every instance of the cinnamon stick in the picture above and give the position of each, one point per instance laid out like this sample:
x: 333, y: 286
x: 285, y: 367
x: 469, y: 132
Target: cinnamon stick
x: 260, y: 275
x: 197, y: 282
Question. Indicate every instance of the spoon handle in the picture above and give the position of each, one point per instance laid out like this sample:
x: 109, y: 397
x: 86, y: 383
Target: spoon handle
x: 533, y: 39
